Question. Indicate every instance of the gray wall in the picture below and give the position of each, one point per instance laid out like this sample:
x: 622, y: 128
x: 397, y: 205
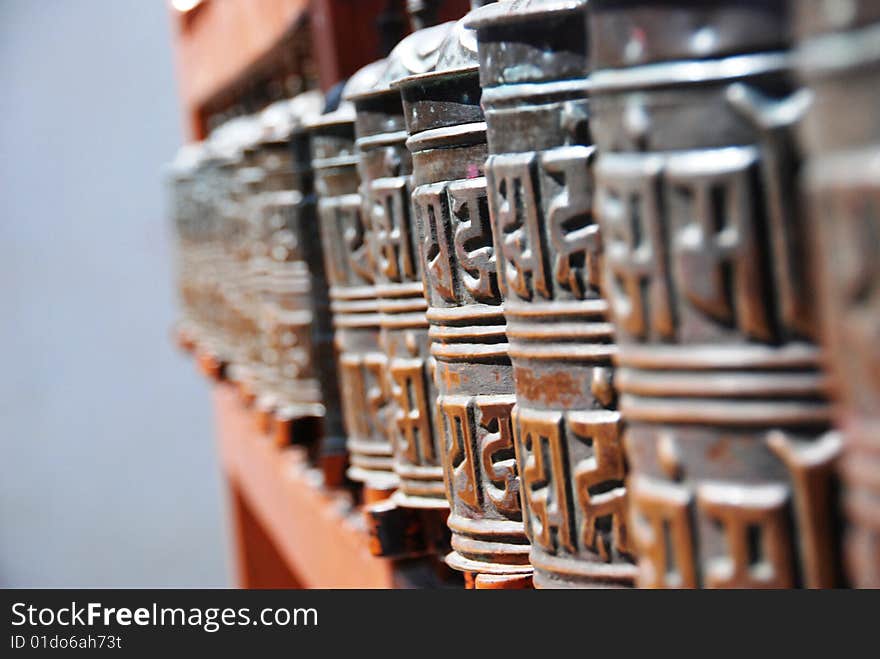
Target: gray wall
x: 108, y: 474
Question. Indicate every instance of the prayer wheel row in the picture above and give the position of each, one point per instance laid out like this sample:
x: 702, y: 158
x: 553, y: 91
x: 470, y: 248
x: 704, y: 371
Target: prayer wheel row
x: 603, y: 283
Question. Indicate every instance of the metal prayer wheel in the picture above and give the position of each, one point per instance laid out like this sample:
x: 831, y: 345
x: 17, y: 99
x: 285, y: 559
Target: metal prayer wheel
x: 533, y: 66
x: 472, y: 370
x: 224, y: 237
x: 182, y: 178
x: 708, y: 277
x: 385, y: 168
x: 202, y: 248
x: 347, y: 239
x: 840, y: 62
x: 297, y: 338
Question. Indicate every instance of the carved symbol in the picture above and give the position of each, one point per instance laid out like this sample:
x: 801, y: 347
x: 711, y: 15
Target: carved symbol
x: 460, y: 465
x: 663, y: 534
x: 516, y: 219
x: 811, y: 465
x: 349, y: 217
x: 499, y: 462
x: 774, y: 118
x: 598, y: 485
x: 473, y: 239
x: 722, y: 273
x: 377, y: 390
x: 573, y: 233
x: 753, y: 521
x: 432, y: 212
x: 545, y: 494
x: 412, y: 419
x: 390, y: 218
x: 354, y: 391
x: 629, y: 209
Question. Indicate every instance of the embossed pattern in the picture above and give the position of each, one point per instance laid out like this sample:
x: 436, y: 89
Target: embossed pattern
x: 549, y: 251
x: 726, y: 423
x: 473, y: 374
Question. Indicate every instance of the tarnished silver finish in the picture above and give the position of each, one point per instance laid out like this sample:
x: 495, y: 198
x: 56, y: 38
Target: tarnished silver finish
x: 223, y: 251
x: 472, y: 370
x: 182, y: 177
x: 283, y: 218
x: 839, y: 60
x: 347, y: 237
x: 385, y: 167
x: 709, y: 280
x: 534, y: 67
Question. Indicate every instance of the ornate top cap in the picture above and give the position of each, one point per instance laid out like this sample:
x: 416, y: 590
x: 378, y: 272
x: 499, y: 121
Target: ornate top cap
x: 449, y: 94
x: 629, y: 33
x: 531, y: 41
x: 282, y: 119
x: 417, y: 53
x: 229, y: 140
x: 457, y: 53
x: 362, y: 81
x: 519, y: 11
x: 186, y: 160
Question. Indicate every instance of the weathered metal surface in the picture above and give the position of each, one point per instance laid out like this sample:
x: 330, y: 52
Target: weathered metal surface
x: 222, y: 244
x: 347, y: 237
x: 254, y: 289
x: 182, y: 178
x: 472, y: 370
x: 707, y: 272
x: 533, y: 63
x: 283, y: 220
x: 839, y: 60
x: 385, y: 167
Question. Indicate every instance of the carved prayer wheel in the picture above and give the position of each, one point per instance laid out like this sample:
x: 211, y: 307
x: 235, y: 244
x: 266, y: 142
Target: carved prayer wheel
x: 347, y: 240
x: 386, y: 169
x: 473, y: 374
x: 533, y: 67
x: 840, y: 62
x: 708, y: 276
x: 297, y: 337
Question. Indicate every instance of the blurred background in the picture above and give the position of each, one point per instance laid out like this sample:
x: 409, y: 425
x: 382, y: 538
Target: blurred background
x: 108, y: 470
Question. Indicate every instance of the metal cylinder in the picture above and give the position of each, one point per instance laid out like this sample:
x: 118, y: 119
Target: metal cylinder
x: 182, y: 179
x: 386, y: 169
x: 839, y: 60
x: 473, y: 374
x: 533, y: 66
x: 225, y: 241
x: 708, y: 276
x: 347, y: 238
x: 300, y: 388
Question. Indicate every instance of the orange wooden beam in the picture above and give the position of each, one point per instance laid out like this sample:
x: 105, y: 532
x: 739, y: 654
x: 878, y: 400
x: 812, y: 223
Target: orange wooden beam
x: 318, y: 534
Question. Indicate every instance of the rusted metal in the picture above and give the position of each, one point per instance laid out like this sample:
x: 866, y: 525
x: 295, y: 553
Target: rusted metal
x: 840, y: 62
x: 472, y: 370
x: 708, y: 276
x: 534, y: 66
